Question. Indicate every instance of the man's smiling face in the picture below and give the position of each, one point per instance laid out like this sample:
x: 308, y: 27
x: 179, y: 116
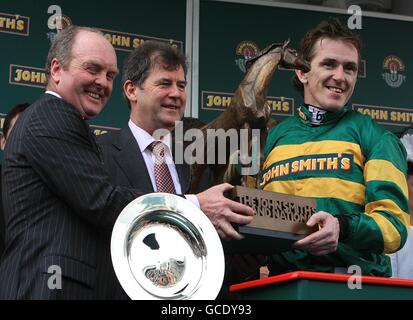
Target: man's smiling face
x: 330, y: 82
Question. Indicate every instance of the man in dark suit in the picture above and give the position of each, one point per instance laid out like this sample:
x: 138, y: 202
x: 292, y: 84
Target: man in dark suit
x: 9, y: 122
x: 59, y: 204
x: 154, y: 80
x: 154, y: 86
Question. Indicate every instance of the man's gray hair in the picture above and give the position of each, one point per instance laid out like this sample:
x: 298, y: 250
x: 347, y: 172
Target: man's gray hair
x: 62, y: 44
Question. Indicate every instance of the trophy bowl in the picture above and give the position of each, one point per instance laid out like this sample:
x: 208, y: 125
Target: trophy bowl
x: 164, y: 247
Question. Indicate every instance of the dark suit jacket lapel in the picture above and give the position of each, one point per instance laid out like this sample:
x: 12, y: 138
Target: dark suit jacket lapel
x: 71, y: 109
x: 184, y: 176
x: 95, y: 146
x: 183, y: 170
x: 130, y: 160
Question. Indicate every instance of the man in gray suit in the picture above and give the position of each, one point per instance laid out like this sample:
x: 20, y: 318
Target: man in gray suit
x: 60, y: 206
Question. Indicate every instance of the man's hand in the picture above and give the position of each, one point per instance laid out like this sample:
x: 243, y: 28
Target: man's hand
x: 323, y: 241
x: 222, y: 211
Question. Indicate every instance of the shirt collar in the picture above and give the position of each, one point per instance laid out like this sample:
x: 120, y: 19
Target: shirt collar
x: 144, y: 139
x: 308, y: 113
x: 54, y: 94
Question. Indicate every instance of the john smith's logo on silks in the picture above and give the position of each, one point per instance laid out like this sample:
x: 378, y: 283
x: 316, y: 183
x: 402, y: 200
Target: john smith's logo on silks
x: 306, y: 166
x: 244, y: 51
x: 395, y: 67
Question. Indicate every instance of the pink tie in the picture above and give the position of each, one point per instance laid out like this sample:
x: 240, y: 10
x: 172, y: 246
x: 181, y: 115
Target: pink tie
x: 163, y: 179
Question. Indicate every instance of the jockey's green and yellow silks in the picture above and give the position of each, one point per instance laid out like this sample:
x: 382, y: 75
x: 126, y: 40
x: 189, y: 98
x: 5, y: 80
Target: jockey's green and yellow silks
x: 351, y: 166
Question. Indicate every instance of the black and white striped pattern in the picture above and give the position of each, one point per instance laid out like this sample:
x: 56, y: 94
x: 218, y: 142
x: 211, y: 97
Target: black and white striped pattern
x: 60, y: 207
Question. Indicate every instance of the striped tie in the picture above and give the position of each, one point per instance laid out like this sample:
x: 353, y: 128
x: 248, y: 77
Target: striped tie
x: 163, y: 179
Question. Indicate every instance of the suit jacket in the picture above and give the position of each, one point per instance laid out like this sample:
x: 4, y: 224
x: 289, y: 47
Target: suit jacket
x: 125, y: 164
x: 60, y: 208
x: 126, y: 167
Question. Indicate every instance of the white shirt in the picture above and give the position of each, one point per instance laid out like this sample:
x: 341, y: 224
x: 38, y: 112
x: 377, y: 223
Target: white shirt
x: 402, y: 260
x: 54, y: 94
x: 144, y: 139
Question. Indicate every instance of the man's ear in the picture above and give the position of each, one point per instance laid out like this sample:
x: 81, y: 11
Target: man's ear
x: 129, y: 89
x: 55, y: 70
x: 302, y: 76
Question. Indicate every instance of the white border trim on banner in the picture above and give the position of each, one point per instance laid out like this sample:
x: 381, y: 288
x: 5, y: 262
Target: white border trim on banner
x: 192, y: 33
x: 310, y: 7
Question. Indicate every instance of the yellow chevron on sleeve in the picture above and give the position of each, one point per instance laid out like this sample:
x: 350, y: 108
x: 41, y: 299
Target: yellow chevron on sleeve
x: 321, y: 188
x: 280, y: 153
x: 391, y: 235
x: 384, y: 170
